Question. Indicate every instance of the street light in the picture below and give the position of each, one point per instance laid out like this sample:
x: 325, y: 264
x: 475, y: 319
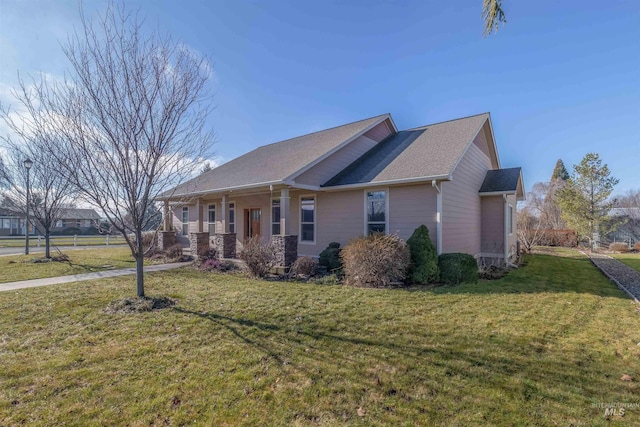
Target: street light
x: 27, y: 165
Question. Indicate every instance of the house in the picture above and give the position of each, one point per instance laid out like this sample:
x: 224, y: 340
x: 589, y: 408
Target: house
x: 629, y: 230
x: 354, y: 179
x: 11, y: 222
x: 76, y: 221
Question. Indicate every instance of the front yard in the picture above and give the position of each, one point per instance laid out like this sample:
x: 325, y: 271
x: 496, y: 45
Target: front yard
x: 543, y: 346
x: 632, y: 260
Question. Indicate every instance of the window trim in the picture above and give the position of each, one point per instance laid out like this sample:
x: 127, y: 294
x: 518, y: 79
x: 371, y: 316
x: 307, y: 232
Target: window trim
x: 182, y: 220
x: 315, y: 219
x: 386, y: 209
x: 271, y: 215
x: 228, y: 215
x: 215, y: 217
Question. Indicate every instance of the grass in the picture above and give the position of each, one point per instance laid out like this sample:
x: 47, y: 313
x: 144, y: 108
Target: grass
x: 16, y: 242
x: 632, y: 260
x: 542, y: 346
x: 21, y: 267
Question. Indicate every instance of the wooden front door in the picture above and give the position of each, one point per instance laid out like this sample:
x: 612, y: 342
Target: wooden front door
x: 251, y: 223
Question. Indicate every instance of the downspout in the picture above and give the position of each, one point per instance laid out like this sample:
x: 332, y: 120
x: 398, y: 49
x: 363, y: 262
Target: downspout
x: 438, y: 188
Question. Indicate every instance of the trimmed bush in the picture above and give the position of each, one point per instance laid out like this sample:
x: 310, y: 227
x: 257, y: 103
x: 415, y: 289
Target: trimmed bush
x: 375, y: 261
x: 70, y: 231
x: 458, y: 268
x: 304, y: 266
x: 259, y: 256
x: 174, y: 251
x: 619, y: 247
x: 424, y: 257
x: 330, y: 257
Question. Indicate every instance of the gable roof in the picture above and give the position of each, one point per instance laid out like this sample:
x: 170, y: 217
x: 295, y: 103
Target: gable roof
x: 427, y: 152
x: 73, y: 213
x: 502, y: 181
x: 273, y: 163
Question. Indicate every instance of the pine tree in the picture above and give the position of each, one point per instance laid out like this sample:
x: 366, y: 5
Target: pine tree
x: 560, y: 172
x: 584, y: 200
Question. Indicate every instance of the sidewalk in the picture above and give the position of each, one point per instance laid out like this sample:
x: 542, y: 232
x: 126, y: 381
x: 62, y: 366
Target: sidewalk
x: 625, y: 277
x: 86, y: 276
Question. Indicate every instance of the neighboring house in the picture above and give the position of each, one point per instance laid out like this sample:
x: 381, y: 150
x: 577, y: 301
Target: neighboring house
x: 629, y: 231
x: 81, y: 219
x: 11, y: 222
x: 359, y: 178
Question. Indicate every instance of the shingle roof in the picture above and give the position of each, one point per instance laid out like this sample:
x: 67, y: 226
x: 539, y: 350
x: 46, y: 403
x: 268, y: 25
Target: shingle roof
x: 501, y: 180
x: 274, y: 162
x: 427, y: 151
x: 73, y: 213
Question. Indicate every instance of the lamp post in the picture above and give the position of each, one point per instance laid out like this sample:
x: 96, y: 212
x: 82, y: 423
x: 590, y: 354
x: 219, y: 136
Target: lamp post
x: 27, y: 165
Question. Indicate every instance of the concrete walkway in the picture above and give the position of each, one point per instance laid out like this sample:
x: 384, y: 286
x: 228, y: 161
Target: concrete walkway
x: 625, y: 277
x: 87, y: 276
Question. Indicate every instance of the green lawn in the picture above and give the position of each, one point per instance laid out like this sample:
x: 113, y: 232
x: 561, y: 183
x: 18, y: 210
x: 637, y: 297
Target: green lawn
x: 632, y: 260
x: 61, y: 241
x: 541, y: 346
x: 21, y: 267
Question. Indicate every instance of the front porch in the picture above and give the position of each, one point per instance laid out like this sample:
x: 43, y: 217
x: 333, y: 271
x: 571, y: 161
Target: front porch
x: 224, y: 224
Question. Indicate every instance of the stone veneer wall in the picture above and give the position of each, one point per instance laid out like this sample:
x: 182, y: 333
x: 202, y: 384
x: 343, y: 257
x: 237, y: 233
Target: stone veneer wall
x: 225, y: 244
x: 166, y: 239
x: 286, y: 248
x: 199, y: 243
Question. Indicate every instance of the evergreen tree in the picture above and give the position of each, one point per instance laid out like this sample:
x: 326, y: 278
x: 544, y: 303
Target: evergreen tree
x: 585, y: 199
x: 560, y: 172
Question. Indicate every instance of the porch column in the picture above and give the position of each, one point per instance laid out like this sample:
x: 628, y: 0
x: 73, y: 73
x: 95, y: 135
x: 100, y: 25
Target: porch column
x: 224, y: 206
x: 285, y: 214
x: 199, y: 217
x: 166, y: 216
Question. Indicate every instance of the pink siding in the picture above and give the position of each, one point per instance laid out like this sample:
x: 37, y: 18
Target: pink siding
x: 492, y: 225
x: 380, y: 132
x: 461, y: 206
x: 481, y: 140
x: 332, y: 165
x: 411, y: 206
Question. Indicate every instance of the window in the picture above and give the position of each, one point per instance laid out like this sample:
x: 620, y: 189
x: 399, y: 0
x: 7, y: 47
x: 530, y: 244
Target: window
x: 275, y: 216
x: 212, y: 220
x: 376, y: 212
x: 232, y: 217
x: 6, y: 223
x: 59, y: 223
x: 308, y: 219
x: 510, y: 219
x: 185, y: 220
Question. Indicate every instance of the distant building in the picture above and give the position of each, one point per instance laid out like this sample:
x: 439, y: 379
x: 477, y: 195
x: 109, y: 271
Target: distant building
x: 74, y: 221
x: 11, y: 222
x: 629, y: 232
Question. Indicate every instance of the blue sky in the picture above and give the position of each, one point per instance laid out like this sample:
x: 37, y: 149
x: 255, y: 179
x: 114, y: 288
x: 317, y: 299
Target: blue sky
x: 560, y: 79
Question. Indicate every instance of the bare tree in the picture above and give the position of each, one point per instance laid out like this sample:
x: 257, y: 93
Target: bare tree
x: 50, y: 192
x: 492, y: 14
x: 131, y: 118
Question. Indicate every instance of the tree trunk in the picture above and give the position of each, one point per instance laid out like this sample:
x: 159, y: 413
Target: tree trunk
x: 47, y: 252
x: 139, y: 266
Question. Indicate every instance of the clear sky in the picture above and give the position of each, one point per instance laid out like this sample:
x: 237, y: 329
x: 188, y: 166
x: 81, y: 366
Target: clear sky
x: 561, y: 79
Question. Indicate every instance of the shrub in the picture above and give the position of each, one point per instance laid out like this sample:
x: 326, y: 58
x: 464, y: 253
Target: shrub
x: 209, y: 253
x: 619, y: 247
x: 330, y: 257
x: 564, y: 238
x: 329, y: 279
x: 174, y: 251
x: 259, y: 256
x: 636, y: 246
x: 424, y: 257
x: 304, y: 266
x: 375, y: 261
x: 458, y: 268
x: 70, y: 231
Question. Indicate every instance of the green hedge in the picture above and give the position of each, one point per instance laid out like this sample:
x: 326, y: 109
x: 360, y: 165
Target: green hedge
x: 424, y: 257
x: 458, y: 268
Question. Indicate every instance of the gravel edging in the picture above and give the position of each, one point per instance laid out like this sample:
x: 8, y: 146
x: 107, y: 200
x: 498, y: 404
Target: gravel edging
x: 625, y: 277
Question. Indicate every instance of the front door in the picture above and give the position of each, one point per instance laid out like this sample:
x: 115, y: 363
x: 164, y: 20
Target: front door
x: 251, y: 223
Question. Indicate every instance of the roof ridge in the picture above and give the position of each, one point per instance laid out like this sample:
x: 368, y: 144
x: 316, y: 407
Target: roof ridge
x: 322, y: 130
x: 447, y: 121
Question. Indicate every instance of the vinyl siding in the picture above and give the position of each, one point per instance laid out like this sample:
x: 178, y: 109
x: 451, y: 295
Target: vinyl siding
x: 512, y: 239
x: 411, y: 206
x: 493, y: 224
x: 332, y: 165
x: 380, y: 132
x: 461, y: 205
